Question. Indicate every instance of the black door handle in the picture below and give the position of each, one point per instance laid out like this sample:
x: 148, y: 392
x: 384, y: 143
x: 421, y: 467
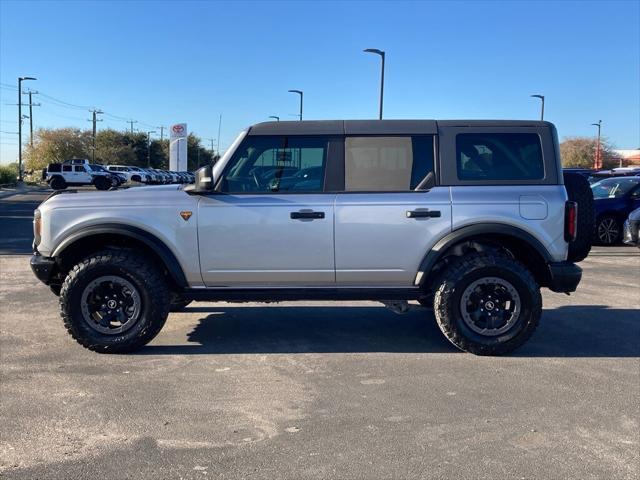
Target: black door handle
x: 423, y: 213
x: 302, y: 215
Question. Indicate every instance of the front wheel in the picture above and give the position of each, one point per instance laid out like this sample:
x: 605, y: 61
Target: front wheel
x: 487, y: 303
x: 114, y: 301
x: 102, y: 183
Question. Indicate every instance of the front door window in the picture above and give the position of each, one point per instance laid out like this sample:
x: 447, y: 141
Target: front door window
x: 276, y: 165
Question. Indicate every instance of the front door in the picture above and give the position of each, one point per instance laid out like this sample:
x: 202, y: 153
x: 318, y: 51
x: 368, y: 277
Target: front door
x: 269, y: 223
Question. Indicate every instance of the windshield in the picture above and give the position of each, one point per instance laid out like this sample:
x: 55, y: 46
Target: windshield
x: 613, y: 187
x: 98, y: 168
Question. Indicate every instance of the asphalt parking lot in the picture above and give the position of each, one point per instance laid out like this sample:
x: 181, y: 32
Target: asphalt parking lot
x: 319, y: 390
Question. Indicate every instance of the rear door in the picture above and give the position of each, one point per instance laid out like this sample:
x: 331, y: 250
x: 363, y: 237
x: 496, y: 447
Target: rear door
x: 507, y: 175
x: 384, y: 226
x: 270, y: 222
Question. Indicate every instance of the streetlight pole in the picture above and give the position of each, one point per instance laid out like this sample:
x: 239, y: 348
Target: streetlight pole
x: 299, y: 92
x: 149, y: 148
x: 275, y: 116
x: 382, y: 56
x: 598, y: 163
x: 541, y: 97
x: 219, y: 127
x: 20, y: 80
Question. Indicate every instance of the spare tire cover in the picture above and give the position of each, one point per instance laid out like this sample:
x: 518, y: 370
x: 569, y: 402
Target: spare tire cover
x: 579, y: 191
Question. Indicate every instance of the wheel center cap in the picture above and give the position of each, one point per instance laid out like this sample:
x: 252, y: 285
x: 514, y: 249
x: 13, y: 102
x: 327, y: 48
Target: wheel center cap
x: 112, y: 304
x: 489, y: 305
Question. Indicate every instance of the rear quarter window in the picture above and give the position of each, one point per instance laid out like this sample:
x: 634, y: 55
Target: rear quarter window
x: 499, y: 156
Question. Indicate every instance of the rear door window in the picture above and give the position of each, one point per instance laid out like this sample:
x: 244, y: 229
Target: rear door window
x: 499, y: 156
x: 387, y: 164
x: 66, y: 168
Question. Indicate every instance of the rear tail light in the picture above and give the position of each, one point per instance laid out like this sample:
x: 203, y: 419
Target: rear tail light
x: 570, y: 221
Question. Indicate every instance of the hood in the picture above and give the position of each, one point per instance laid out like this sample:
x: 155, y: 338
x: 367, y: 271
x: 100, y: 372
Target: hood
x: 147, y: 195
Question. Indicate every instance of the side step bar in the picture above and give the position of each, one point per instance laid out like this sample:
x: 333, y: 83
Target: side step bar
x: 309, y: 293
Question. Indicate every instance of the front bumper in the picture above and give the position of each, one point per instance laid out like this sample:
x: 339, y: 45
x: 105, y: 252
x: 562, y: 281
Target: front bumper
x: 43, y: 267
x: 564, y: 277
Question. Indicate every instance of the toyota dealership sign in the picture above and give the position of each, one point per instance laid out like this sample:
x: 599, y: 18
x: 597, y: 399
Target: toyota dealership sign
x: 178, y: 147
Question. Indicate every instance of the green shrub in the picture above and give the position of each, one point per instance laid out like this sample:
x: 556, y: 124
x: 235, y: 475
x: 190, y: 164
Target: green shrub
x: 8, y: 173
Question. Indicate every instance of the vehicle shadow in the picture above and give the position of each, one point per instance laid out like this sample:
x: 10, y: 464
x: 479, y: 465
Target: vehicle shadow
x: 569, y: 331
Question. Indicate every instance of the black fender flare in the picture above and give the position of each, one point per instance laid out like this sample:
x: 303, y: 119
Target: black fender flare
x: 468, y: 232
x: 143, y: 236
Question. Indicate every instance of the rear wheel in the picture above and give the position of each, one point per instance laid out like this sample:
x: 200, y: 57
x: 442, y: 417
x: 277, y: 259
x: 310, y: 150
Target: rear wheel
x: 58, y: 183
x: 114, y: 301
x: 487, y: 303
x: 608, y: 230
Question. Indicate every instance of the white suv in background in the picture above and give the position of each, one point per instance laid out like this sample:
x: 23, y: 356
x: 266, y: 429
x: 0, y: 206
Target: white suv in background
x: 133, y: 174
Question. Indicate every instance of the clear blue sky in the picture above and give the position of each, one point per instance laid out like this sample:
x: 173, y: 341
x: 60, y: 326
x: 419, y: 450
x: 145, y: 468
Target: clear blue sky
x: 167, y: 62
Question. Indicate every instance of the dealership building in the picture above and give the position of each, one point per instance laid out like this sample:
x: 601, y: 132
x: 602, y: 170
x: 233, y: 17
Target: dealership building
x: 628, y: 158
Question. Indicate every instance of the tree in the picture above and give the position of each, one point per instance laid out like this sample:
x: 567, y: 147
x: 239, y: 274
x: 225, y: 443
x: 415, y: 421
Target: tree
x: 55, y: 145
x: 112, y: 147
x: 197, y: 156
x: 581, y: 152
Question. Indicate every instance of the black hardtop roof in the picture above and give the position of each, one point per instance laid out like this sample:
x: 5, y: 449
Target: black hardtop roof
x: 378, y: 127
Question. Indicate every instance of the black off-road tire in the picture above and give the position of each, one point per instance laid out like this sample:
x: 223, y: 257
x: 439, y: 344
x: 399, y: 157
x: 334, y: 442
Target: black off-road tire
x: 178, y: 303
x: 102, y: 183
x: 579, y: 191
x: 139, y: 271
x: 58, y: 183
x: 462, y: 273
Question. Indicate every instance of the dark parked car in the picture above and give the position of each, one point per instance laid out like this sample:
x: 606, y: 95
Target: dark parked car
x: 585, y: 172
x: 615, y: 198
x: 631, y: 234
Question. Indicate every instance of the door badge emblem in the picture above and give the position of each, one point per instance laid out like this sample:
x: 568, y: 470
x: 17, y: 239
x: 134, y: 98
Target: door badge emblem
x: 186, y: 215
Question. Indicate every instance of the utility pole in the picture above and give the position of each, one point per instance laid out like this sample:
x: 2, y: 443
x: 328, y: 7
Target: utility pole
x: 94, y: 119
x: 31, y: 105
x: 301, y: 93
x: 598, y: 163
x: 132, y: 122
x: 20, y: 80
x: 541, y: 97
x: 161, y: 132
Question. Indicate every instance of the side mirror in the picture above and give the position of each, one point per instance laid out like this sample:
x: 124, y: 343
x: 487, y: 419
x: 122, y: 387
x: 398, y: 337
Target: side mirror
x: 203, y: 182
x: 204, y: 179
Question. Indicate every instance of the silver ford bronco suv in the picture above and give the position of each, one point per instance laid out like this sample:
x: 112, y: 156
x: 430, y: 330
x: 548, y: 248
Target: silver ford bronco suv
x: 469, y: 218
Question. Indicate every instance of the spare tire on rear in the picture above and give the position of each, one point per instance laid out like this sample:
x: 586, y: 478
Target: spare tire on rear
x: 579, y: 191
